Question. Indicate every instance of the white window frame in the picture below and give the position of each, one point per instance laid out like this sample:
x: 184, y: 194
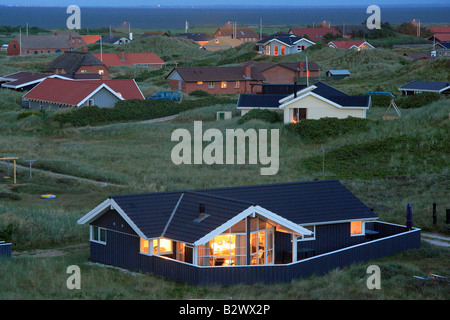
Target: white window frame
x: 161, y: 253
x: 99, y: 230
x: 210, y: 85
x: 308, y: 237
x: 91, y: 102
x: 363, y: 229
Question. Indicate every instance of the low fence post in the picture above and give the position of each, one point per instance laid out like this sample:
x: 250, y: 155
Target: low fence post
x: 434, y: 214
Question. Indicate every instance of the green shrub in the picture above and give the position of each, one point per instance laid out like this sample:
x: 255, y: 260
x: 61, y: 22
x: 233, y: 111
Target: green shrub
x: 417, y: 100
x: 10, y: 196
x: 26, y: 114
x: 133, y: 110
x: 261, y: 114
x: 199, y: 93
x: 318, y: 131
x: 400, y: 155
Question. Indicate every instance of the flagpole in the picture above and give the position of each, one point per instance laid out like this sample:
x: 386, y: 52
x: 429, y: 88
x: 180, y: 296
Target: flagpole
x: 307, y: 72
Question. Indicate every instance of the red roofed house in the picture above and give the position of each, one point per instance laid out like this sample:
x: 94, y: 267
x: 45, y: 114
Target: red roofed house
x: 148, y: 59
x: 78, y: 63
x: 46, y: 43
x: 55, y: 93
x: 314, y: 34
x: 440, y: 37
x: 439, y: 29
x: 214, y: 80
x: 355, y: 44
x: 91, y: 38
x: 285, y: 72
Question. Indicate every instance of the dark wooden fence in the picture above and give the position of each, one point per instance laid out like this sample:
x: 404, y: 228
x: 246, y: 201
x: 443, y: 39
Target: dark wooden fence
x: 391, y: 239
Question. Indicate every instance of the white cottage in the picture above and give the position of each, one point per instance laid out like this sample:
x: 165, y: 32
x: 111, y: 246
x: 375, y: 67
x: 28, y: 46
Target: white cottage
x: 323, y: 101
x: 280, y: 45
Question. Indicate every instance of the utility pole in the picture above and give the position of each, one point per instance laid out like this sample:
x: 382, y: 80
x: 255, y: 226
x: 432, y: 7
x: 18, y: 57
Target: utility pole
x: 30, y: 162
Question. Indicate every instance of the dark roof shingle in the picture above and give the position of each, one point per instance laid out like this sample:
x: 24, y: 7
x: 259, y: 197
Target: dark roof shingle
x: 174, y: 214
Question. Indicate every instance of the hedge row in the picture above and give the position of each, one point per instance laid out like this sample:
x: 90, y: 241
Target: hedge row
x: 318, y: 131
x: 261, y: 114
x: 406, y: 102
x: 133, y: 110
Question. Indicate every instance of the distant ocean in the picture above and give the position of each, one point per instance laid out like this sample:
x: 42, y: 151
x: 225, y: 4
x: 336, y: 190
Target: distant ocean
x: 175, y: 18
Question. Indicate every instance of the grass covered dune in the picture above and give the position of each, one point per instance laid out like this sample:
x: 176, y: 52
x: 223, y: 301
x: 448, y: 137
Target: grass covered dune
x: 387, y: 164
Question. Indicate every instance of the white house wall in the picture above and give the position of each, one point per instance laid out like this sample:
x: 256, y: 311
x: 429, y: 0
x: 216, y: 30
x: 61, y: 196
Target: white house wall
x: 317, y: 109
x: 288, y: 50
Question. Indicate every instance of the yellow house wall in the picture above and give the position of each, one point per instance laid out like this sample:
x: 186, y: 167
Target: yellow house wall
x: 317, y: 109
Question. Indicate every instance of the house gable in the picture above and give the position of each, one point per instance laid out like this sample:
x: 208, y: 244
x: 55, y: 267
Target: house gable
x: 318, y: 107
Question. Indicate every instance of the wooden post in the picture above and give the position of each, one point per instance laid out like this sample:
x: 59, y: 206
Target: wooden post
x: 434, y: 213
x: 294, y: 247
x: 15, y: 180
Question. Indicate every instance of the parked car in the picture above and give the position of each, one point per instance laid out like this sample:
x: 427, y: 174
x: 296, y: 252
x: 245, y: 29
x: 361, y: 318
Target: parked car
x: 166, y: 95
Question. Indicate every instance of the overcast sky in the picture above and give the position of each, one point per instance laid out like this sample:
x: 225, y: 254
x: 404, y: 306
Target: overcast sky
x: 164, y: 3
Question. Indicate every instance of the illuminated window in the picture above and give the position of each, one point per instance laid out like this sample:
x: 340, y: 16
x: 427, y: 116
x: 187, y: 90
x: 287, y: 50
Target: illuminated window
x: 356, y: 228
x: 144, y: 246
x: 237, y: 84
x: 101, y: 71
x: 83, y: 71
x: 226, y: 249
x: 98, y: 234
x: 275, y: 51
x: 268, y: 50
x: 223, y: 84
x: 199, y: 82
x: 261, y: 242
x: 283, y: 50
x: 162, y: 246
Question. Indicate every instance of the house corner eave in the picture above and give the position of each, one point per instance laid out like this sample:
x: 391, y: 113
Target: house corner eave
x: 102, y: 208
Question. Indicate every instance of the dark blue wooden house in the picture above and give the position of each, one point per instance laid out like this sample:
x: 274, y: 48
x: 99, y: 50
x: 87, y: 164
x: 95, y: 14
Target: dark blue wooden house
x: 262, y: 233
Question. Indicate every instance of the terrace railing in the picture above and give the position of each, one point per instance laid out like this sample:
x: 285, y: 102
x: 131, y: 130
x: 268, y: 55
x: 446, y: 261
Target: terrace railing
x: 391, y: 239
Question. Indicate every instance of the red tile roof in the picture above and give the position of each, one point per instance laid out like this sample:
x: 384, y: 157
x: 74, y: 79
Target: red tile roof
x: 440, y: 37
x: 73, y: 92
x: 440, y: 29
x: 91, y: 38
x: 129, y: 58
x: 347, y: 44
x: 313, y: 34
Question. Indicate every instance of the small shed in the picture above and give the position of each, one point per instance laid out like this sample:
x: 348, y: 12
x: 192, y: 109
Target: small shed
x: 338, y: 74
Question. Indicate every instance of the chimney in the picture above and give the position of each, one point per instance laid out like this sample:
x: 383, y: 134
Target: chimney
x: 122, y: 55
x: 247, y: 72
x: 201, y: 211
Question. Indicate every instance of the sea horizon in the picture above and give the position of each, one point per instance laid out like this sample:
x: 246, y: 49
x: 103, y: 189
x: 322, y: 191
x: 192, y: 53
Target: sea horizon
x: 175, y: 17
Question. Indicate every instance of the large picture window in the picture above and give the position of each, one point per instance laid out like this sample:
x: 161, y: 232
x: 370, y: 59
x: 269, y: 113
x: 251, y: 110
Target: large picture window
x: 230, y: 247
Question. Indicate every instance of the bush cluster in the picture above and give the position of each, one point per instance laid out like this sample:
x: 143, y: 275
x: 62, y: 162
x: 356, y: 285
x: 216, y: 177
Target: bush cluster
x: 318, y: 131
x: 261, y: 114
x: 417, y: 100
x: 133, y: 110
